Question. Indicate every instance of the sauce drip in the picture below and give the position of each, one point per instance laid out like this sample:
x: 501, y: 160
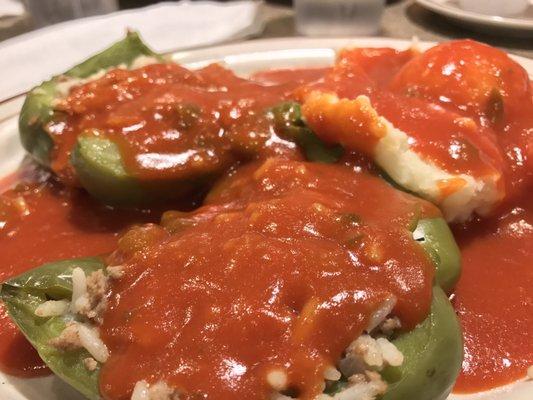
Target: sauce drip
x: 267, y: 284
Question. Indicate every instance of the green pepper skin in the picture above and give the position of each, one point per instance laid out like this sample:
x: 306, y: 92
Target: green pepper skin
x: 100, y: 170
x: 433, y: 354
x: 436, y: 238
x: 290, y: 125
x: 23, y: 294
x: 97, y: 161
x: 37, y: 110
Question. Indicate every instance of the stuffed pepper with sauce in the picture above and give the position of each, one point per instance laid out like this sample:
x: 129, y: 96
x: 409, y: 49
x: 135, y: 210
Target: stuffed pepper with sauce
x: 134, y: 128
x: 293, y: 280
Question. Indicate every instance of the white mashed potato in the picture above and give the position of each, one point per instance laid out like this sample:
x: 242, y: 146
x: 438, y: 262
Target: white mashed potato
x: 459, y: 195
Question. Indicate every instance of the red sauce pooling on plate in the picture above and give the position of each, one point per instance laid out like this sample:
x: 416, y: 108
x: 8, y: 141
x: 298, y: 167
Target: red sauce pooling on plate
x: 42, y: 222
x: 269, y: 283
x: 494, y: 298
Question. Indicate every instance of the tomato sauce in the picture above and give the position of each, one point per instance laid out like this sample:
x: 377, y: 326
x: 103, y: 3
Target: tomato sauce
x: 40, y: 221
x: 494, y: 295
x: 473, y: 99
x: 172, y: 122
x: 468, y: 77
x: 380, y: 65
x: 269, y: 283
x: 485, y: 84
x: 494, y: 298
x: 450, y: 140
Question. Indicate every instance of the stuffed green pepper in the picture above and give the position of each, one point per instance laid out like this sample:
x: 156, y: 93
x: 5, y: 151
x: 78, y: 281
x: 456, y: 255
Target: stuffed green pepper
x: 292, y: 281
x: 134, y: 128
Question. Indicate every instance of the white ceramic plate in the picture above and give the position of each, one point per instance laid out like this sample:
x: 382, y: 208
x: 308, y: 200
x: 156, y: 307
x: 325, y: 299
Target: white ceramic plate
x: 517, y: 25
x: 244, y: 58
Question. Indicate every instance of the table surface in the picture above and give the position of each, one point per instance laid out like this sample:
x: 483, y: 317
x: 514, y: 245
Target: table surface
x: 402, y: 19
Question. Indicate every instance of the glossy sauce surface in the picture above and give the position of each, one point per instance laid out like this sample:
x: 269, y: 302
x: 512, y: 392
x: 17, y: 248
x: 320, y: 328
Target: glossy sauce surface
x: 267, y: 283
x: 494, y: 298
x: 172, y: 122
x: 54, y: 223
x: 485, y: 84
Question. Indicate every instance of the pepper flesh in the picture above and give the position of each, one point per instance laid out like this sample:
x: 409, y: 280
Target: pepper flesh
x: 24, y: 293
x: 433, y: 354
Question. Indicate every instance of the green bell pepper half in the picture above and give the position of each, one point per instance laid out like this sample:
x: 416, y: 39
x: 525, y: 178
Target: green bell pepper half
x: 100, y: 170
x: 433, y: 354
x: 435, y: 236
x: 97, y: 160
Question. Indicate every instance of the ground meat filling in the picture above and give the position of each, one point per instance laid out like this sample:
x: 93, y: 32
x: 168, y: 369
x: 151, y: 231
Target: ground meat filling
x: 93, y: 303
x: 82, y: 315
x: 261, y: 292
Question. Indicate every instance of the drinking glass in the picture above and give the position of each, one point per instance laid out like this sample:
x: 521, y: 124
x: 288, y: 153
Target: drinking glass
x: 338, y: 17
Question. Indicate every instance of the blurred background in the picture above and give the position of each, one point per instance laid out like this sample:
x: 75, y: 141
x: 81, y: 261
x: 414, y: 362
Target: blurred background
x: 401, y: 19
